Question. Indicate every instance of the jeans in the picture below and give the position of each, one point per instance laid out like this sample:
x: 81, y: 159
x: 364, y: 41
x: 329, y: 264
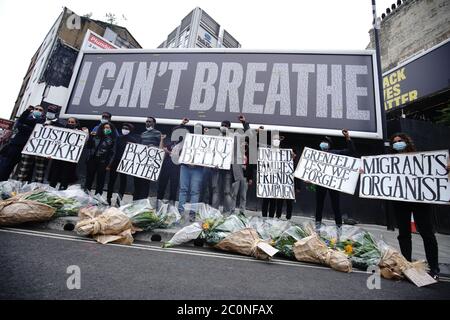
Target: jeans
x: 239, y: 190
x: 221, y: 184
x: 422, y: 217
x: 190, y: 185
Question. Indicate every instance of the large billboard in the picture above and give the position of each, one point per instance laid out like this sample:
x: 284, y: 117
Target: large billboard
x: 422, y: 75
x: 304, y: 92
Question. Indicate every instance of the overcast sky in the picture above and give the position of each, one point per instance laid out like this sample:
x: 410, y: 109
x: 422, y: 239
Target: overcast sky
x: 256, y: 24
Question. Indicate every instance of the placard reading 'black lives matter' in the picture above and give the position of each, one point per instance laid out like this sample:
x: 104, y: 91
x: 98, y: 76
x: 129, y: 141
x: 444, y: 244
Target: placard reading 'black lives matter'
x: 417, y: 177
x: 275, y: 174
x: 329, y: 170
x: 56, y: 143
x: 207, y: 151
x: 141, y: 161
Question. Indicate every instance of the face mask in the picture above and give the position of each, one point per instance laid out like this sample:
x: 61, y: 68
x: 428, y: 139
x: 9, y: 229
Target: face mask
x: 149, y: 127
x: 107, y: 131
x: 71, y: 126
x: 37, y: 114
x: 103, y: 120
x: 399, y: 146
x: 223, y: 129
x: 125, y: 132
x: 324, y: 146
x: 276, y: 143
x: 50, y: 116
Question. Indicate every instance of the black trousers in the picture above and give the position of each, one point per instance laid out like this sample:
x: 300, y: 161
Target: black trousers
x: 95, y: 168
x: 10, y: 157
x: 141, y: 188
x: 422, y: 216
x: 170, y: 173
x: 112, y: 181
x: 289, y: 205
x: 63, y: 172
x: 269, y: 204
x: 321, y: 192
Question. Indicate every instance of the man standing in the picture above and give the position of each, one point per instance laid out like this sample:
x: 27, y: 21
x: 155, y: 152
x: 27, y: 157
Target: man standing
x: 150, y: 137
x: 28, y: 162
x: 106, y: 118
x: 11, y: 153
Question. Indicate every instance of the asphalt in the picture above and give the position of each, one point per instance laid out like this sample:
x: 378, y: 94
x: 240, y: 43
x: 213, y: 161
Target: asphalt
x: 34, y: 266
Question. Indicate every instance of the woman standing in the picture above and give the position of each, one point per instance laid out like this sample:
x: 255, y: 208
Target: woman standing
x: 101, y: 150
x: 402, y: 143
x: 65, y: 172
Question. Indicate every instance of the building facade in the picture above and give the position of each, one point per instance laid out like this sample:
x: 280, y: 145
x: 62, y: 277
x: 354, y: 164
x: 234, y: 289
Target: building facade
x: 199, y: 30
x: 50, y: 70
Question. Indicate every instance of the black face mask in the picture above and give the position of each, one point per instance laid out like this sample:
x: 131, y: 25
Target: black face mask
x: 71, y: 126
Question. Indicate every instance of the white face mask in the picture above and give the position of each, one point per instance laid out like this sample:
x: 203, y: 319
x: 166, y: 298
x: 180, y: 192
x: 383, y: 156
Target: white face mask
x: 125, y: 132
x: 103, y: 120
x: 276, y: 143
x: 50, y: 116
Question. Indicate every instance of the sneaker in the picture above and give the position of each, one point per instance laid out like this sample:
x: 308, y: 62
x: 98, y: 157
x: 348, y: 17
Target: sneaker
x: 318, y: 226
x: 118, y: 201
x: 338, y: 233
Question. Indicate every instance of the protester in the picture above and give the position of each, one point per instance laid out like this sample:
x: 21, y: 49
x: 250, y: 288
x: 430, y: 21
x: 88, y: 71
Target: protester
x: 222, y: 179
x: 170, y: 170
x: 28, y: 162
x: 101, y: 151
x: 191, y: 178
x: 150, y: 137
x: 127, y: 135
x: 106, y: 117
x: 402, y: 143
x: 242, y: 171
x: 326, y: 145
x: 269, y: 205
x: 289, y: 202
x: 12, y: 152
x: 65, y: 172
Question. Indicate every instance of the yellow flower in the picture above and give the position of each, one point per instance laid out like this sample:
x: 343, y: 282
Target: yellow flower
x: 205, y: 226
x: 348, y: 249
x: 333, y: 242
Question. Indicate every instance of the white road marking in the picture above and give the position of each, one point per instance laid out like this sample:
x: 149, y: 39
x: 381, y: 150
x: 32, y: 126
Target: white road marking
x: 228, y: 256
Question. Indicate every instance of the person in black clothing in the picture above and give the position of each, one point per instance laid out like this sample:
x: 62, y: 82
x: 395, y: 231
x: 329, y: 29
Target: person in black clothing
x: 402, y: 143
x: 289, y: 202
x: 101, y: 150
x: 127, y: 135
x: 38, y: 163
x: 170, y: 171
x: 12, y: 152
x: 321, y: 192
x: 64, y: 172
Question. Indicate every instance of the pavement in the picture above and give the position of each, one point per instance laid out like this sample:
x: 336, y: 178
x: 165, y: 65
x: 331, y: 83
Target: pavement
x: 380, y: 232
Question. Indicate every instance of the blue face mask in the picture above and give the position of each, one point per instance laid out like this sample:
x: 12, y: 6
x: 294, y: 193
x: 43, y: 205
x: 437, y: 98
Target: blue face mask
x: 324, y: 146
x: 37, y: 114
x: 103, y: 120
x: 399, y: 146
